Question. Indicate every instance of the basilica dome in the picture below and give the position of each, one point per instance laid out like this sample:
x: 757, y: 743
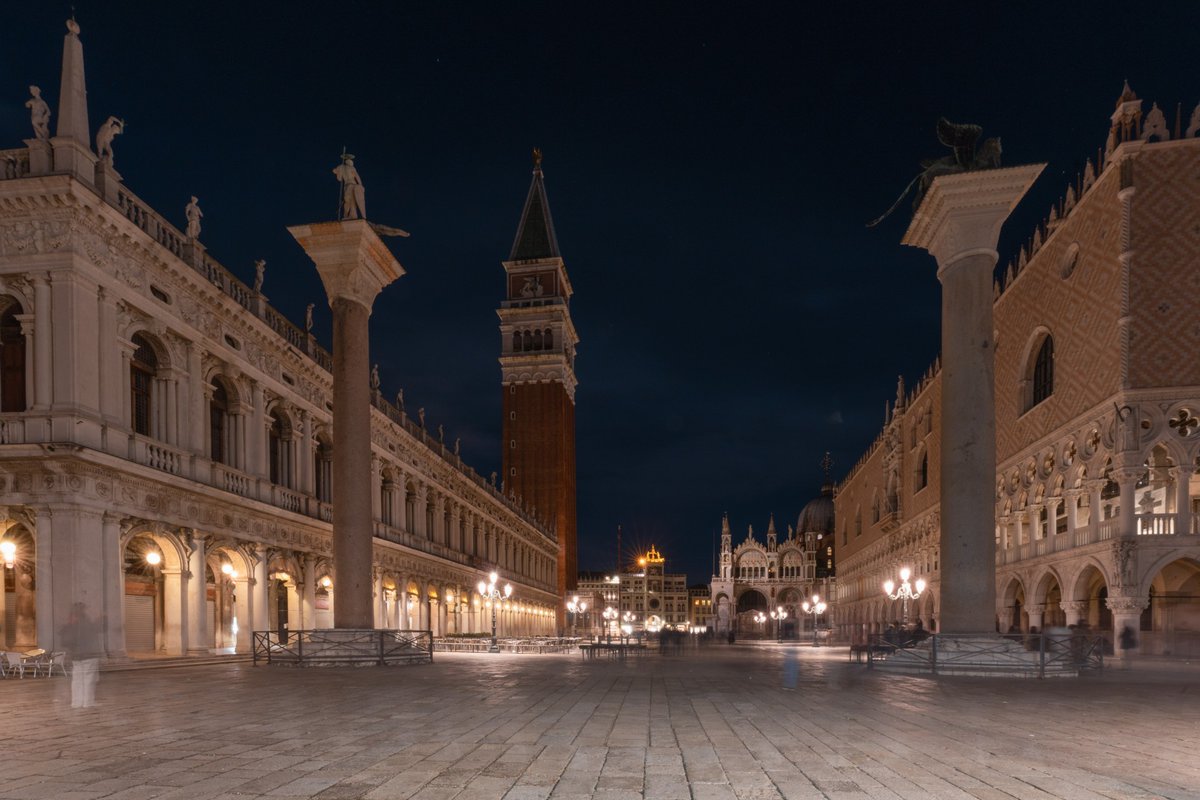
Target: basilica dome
x: 817, y: 516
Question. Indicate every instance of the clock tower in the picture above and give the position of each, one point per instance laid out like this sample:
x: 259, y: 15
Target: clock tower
x: 537, y: 364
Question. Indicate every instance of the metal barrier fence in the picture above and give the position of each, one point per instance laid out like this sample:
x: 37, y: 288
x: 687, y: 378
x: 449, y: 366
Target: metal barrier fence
x: 549, y: 644
x: 1028, y: 654
x: 335, y: 647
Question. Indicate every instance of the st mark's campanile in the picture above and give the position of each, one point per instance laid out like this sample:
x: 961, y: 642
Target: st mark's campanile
x: 537, y: 365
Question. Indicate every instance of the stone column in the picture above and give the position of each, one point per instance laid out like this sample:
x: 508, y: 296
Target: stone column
x: 261, y: 616
x: 1127, y: 479
x: 1035, y: 612
x: 197, y: 598
x: 354, y: 266
x: 1095, y: 507
x: 959, y: 222
x: 114, y: 585
x: 1126, y: 613
x: 42, y: 345
x: 308, y: 594
x: 1075, y: 610
x: 1183, y: 500
x: 1037, y: 532
x: 1072, y: 501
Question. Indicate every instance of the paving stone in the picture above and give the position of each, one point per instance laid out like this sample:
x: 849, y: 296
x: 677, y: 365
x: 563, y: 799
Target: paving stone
x: 711, y: 725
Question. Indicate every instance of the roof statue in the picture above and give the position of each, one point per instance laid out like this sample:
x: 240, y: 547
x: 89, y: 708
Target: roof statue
x: 39, y: 114
x: 260, y: 272
x: 966, y: 157
x: 104, y: 137
x: 308, y: 318
x: 193, y: 213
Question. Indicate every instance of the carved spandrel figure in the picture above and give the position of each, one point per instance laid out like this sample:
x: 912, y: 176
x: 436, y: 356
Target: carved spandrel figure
x: 193, y: 214
x: 39, y: 114
x: 961, y: 139
x: 260, y: 272
x: 308, y: 318
x: 104, y: 137
x: 354, y: 202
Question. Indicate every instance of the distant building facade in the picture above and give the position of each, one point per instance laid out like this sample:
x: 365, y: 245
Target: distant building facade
x: 165, y: 440
x: 1097, y: 417
x: 700, y: 615
x: 755, y: 577
x: 645, y: 597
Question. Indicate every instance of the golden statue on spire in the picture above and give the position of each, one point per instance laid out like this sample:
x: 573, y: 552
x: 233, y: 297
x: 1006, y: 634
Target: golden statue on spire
x: 537, y: 158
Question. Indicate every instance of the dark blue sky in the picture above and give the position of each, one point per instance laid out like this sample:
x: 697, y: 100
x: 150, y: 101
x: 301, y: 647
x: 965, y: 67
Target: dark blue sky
x: 710, y: 167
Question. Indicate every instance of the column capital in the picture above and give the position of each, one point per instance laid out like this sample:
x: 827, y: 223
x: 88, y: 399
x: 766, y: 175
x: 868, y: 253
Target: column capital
x: 353, y: 262
x: 961, y: 214
x: 1127, y: 604
x: 1074, y: 606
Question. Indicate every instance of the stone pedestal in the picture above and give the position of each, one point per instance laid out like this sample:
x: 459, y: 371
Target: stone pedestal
x: 41, y: 156
x: 959, y: 222
x: 354, y: 266
x: 108, y: 181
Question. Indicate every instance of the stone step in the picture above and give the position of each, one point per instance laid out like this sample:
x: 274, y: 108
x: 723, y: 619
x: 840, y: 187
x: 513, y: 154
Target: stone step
x: 182, y: 661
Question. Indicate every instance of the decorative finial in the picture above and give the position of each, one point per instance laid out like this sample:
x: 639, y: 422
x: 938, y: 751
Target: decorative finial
x: 537, y: 158
x: 826, y: 465
x: 72, y: 25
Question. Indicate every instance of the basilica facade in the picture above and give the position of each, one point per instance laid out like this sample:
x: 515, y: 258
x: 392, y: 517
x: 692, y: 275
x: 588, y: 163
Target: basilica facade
x: 755, y: 579
x: 166, y: 441
x: 1097, y: 423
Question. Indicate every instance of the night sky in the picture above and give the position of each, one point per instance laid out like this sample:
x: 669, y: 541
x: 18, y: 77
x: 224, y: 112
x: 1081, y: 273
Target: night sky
x: 710, y: 168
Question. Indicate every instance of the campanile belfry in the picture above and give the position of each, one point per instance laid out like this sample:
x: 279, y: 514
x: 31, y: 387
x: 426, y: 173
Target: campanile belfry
x: 537, y: 363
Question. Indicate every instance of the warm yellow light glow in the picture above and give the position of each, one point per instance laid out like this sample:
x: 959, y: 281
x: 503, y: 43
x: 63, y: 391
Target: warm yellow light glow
x: 326, y: 582
x: 153, y: 558
x: 888, y: 586
x: 920, y: 585
x: 227, y: 568
x: 482, y: 587
x: 8, y: 550
x: 905, y: 572
x: 493, y: 577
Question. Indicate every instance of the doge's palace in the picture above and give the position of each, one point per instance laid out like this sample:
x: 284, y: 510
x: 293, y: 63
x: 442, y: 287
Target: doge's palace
x: 166, y: 435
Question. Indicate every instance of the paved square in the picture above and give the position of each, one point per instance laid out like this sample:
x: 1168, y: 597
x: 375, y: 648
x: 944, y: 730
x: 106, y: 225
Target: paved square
x: 713, y: 723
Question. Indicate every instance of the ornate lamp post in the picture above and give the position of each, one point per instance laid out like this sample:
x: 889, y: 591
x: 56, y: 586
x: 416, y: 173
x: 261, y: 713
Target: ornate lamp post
x: 494, y: 595
x: 905, y: 591
x: 610, y: 620
x: 576, y: 607
x: 759, y: 618
x: 627, y: 620
x: 816, y: 608
x: 779, y: 615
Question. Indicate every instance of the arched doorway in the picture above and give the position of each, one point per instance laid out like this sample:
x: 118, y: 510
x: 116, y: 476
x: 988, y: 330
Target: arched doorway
x: 750, y: 602
x: 1171, y: 623
x: 153, y: 595
x: 1013, y: 618
x: 18, y: 614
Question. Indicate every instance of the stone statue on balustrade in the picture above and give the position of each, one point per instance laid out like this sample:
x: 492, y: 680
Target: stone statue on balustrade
x: 375, y: 378
x: 308, y: 318
x: 260, y: 272
x: 104, y: 138
x: 400, y: 399
x: 193, y: 214
x: 965, y: 157
x: 39, y: 114
x: 354, y: 203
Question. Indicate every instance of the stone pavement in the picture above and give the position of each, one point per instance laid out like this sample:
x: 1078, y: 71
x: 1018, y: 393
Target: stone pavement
x: 713, y: 723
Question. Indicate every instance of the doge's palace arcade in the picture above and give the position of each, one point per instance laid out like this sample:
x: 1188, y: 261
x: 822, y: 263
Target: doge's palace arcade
x: 167, y: 437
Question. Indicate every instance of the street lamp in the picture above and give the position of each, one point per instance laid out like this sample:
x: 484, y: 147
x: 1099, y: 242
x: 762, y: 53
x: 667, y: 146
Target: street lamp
x: 493, y: 594
x: 816, y: 608
x: 904, y: 592
x: 576, y: 607
x: 627, y: 619
x: 779, y: 615
x: 8, y: 551
x: 759, y: 618
x: 610, y: 619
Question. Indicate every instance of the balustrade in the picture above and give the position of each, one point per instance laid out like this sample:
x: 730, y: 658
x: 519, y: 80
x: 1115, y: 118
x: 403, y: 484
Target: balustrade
x: 1156, y: 524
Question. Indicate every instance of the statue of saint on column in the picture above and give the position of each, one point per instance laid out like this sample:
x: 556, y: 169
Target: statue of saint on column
x: 354, y: 202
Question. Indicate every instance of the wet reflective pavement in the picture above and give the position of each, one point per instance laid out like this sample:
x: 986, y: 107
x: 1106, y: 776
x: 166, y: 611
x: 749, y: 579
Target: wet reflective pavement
x: 710, y: 723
